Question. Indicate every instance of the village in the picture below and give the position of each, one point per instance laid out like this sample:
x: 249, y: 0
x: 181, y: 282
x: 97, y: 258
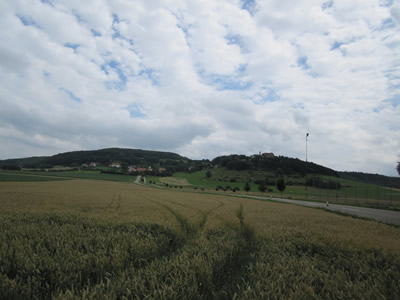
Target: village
x: 117, y: 166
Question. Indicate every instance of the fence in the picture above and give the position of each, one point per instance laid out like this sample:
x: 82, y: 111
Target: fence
x: 360, y: 193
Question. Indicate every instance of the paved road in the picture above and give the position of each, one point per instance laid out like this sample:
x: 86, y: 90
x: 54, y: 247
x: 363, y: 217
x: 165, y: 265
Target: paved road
x: 387, y: 216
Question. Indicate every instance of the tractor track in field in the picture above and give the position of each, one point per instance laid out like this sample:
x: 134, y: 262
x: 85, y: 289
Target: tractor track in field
x: 205, y: 213
x: 115, y: 202
x: 235, y: 243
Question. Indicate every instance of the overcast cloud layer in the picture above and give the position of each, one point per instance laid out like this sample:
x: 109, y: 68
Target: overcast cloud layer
x: 203, y: 78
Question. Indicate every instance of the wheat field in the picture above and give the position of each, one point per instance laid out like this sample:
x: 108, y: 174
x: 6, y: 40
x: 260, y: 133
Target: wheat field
x: 96, y: 239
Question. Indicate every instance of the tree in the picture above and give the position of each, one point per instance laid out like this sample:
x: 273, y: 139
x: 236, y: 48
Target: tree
x: 124, y: 167
x: 281, y: 184
x: 208, y: 174
x: 261, y: 187
x: 398, y: 167
x: 247, y: 187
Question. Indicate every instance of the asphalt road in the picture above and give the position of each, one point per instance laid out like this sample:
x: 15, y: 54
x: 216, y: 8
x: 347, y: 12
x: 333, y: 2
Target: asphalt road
x: 387, y: 216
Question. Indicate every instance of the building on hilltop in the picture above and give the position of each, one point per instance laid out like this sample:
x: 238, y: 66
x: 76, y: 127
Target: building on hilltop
x: 268, y: 154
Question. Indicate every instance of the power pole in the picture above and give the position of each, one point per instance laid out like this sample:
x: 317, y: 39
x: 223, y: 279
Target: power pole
x: 307, y: 134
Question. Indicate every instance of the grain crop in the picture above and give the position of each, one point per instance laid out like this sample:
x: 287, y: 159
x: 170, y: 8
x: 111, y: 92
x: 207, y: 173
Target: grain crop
x: 95, y: 239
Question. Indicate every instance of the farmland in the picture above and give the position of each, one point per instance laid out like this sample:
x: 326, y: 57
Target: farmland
x: 85, y: 238
x: 349, y: 192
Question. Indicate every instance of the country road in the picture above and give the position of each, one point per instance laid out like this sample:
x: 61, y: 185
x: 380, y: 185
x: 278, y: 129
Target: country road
x: 382, y: 215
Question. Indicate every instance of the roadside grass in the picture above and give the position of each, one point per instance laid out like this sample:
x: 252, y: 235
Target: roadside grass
x: 81, y: 239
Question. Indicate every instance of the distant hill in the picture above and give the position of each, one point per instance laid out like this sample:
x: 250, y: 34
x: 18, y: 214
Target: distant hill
x: 107, y: 156
x: 104, y: 156
x: 280, y: 165
x: 29, y: 162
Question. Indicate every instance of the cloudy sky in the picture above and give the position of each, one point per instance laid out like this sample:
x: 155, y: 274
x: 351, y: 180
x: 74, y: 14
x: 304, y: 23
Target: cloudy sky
x: 203, y: 78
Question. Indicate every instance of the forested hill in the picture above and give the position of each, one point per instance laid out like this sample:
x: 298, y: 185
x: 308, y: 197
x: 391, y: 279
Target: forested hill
x: 106, y: 156
x: 103, y: 156
x: 277, y: 164
x: 280, y: 165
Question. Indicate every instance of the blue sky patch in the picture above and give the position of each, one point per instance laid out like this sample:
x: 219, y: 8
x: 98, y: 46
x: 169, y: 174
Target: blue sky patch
x: 116, y: 33
x: 387, y: 24
x: 27, y: 21
x: 336, y: 45
x: 71, y: 95
x: 77, y: 16
x: 229, y: 83
x: 152, y: 75
x: 298, y: 105
x: 386, y: 3
x: 95, y: 33
x: 327, y: 4
x: 235, y: 39
x: 116, y: 66
x: 135, y: 112
x: 47, y: 2
x: 249, y: 5
x: 72, y: 46
x: 266, y: 94
x: 395, y: 100
x: 302, y: 62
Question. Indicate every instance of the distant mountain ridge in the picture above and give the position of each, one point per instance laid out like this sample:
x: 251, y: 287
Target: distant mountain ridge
x: 175, y: 162
x: 102, y: 156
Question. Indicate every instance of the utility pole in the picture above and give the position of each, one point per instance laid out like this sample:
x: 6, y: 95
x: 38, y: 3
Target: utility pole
x: 307, y: 134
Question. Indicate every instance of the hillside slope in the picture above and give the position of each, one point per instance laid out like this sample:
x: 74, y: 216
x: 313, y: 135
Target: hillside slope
x: 102, y: 156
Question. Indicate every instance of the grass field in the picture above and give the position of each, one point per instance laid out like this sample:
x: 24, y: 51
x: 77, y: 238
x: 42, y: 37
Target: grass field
x: 351, y: 193
x: 89, y: 239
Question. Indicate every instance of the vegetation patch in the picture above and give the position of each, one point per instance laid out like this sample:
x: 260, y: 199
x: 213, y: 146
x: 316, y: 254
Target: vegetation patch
x: 44, y: 255
x: 175, y: 181
x: 20, y: 177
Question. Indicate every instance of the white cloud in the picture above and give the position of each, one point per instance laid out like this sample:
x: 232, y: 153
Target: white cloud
x: 203, y: 78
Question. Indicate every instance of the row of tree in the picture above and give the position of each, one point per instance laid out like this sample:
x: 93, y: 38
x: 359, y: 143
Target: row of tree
x: 262, y: 187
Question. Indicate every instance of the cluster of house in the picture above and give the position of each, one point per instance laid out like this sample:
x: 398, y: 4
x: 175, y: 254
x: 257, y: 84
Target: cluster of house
x: 132, y: 169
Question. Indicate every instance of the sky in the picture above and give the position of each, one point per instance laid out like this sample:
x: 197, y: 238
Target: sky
x: 203, y: 78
